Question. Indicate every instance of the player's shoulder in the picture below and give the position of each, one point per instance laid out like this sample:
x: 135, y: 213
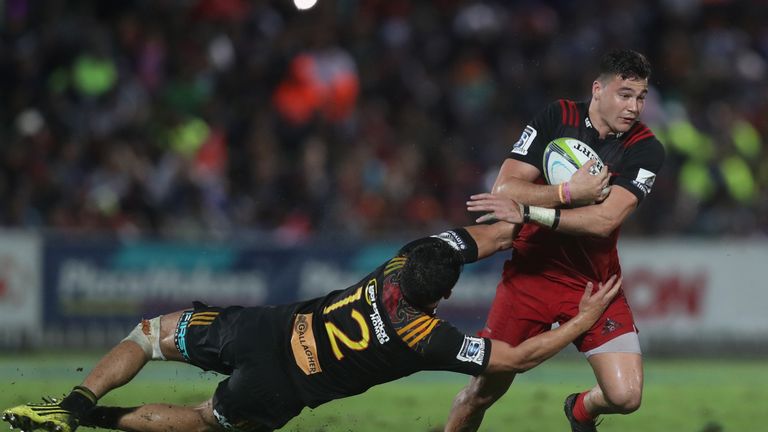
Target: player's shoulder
x: 640, y: 134
x: 641, y: 141
x: 563, y: 112
x: 415, y: 328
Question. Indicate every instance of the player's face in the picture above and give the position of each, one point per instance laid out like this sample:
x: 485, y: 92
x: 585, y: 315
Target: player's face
x: 619, y: 101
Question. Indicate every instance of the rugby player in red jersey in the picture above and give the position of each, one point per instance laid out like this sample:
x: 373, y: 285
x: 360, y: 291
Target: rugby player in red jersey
x: 570, y: 238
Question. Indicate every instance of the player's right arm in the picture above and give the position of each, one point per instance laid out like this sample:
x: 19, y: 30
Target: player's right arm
x: 492, y: 238
x: 516, y: 180
x: 506, y: 358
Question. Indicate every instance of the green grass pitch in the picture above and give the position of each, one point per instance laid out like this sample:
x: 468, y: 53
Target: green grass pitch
x: 680, y: 395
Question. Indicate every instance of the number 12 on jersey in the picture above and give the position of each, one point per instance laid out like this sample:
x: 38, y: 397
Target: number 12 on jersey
x: 336, y: 335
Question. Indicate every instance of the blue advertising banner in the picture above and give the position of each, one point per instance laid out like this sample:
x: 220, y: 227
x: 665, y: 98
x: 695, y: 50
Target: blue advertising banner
x: 90, y: 291
x: 109, y: 282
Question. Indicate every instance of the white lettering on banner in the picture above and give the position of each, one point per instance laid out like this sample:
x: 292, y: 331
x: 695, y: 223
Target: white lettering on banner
x: 476, y: 289
x: 82, y: 280
x: 655, y: 295
x: 318, y: 278
x: 695, y: 288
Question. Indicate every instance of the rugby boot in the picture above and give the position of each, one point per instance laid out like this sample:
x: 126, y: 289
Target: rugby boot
x: 47, y: 416
x: 577, y: 426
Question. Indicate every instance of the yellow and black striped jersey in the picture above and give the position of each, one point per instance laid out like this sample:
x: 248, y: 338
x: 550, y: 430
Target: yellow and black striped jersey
x: 368, y: 334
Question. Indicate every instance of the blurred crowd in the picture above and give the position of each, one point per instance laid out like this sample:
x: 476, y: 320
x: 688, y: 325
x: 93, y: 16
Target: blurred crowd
x: 360, y: 118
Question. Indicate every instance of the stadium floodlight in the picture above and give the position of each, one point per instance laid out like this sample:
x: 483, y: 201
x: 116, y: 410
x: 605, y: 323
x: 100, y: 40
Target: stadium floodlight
x: 304, y: 4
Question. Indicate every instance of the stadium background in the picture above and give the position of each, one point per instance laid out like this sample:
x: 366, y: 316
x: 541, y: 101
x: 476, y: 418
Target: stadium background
x: 152, y: 152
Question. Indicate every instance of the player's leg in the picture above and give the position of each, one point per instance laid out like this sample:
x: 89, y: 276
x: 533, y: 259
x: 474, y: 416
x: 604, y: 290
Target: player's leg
x: 245, y: 401
x: 619, y: 388
x: 613, y: 350
x: 160, y: 417
x: 150, y: 340
x: 470, y: 404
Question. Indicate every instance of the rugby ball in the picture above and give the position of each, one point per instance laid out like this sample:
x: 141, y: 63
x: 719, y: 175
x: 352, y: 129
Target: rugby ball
x: 563, y: 156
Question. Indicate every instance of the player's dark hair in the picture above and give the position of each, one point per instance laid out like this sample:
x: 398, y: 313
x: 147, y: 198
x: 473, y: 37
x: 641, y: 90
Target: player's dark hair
x: 430, y: 272
x: 626, y: 63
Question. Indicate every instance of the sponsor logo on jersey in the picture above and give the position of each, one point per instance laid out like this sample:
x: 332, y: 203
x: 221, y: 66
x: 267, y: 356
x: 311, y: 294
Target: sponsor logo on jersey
x: 526, y: 139
x: 378, y: 323
x: 304, y: 346
x: 472, y: 350
x: 644, y: 180
x: 453, y: 239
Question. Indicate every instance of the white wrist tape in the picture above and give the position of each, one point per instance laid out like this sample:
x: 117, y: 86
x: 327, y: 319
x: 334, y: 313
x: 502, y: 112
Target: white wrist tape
x: 543, y: 216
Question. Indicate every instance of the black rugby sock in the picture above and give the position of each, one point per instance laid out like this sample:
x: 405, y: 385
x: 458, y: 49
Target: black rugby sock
x: 79, y: 401
x: 105, y: 417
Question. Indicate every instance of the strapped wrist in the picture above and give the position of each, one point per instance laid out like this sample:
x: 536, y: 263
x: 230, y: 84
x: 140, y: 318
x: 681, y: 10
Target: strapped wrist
x: 549, y: 218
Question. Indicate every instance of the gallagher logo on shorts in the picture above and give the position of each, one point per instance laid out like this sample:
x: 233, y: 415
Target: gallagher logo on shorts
x: 472, y: 350
x: 526, y: 139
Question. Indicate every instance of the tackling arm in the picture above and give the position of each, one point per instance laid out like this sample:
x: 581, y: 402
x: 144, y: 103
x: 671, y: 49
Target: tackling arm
x: 492, y: 238
x: 532, y: 352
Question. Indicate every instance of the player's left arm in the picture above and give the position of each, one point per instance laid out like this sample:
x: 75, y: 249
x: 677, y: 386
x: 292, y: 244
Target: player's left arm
x: 449, y: 349
x: 630, y: 187
x: 601, y: 219
x: 532, y: 352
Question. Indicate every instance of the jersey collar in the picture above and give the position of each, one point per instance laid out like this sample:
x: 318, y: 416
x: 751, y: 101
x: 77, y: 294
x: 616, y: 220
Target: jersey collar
x: 588, y: 124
